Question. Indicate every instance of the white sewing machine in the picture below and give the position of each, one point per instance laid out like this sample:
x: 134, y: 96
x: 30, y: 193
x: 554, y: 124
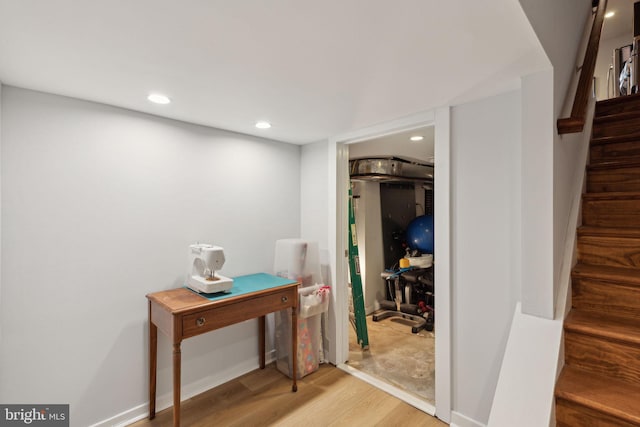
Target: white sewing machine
x: 204, y: 260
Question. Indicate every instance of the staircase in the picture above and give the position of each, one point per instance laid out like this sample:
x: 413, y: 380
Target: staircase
x: 600, y: 383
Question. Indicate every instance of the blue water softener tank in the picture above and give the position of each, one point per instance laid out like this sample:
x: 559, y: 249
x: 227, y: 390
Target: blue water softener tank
x: 420, y: 234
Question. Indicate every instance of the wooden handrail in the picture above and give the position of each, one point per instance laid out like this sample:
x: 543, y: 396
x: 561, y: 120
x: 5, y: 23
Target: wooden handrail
x: 575, y: 123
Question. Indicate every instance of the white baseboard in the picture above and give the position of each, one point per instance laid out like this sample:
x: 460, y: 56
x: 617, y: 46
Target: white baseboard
x: 188, y: 391
x: 459, y: 420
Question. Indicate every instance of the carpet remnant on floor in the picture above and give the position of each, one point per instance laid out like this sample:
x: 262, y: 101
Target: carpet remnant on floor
x: 397, y: 356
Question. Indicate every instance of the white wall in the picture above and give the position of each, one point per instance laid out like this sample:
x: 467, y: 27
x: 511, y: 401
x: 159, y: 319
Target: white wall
x: 560, y: 27
x: 536, y: 195
x: 533, y: 357
x: 370, y: 244
x: 313, y: 199
x: 485, y: 181
x: 314, y: 193
x: 552, y: 170
x: 99, y: 205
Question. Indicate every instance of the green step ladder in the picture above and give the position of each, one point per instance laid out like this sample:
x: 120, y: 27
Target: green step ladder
x: 360, y: 321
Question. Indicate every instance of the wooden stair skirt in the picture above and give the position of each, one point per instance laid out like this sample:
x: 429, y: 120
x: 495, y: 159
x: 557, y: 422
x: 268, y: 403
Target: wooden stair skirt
x: 600, y: 382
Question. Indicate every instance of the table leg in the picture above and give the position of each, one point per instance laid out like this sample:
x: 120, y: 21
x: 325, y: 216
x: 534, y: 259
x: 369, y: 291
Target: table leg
x: 176, y: 384
x: 294, y: 346
x: 261, y: 340
x: 153, y: 364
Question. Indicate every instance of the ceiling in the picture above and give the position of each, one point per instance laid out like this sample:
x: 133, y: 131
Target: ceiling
x: 398, y: 145
x: 314, y: 69
x: 620, y: 24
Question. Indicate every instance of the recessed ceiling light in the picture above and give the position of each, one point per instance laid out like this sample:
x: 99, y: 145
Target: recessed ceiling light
x: 416, y: 138
x: 263, y: 124
x: 609, y: 14
x: 158, y: 98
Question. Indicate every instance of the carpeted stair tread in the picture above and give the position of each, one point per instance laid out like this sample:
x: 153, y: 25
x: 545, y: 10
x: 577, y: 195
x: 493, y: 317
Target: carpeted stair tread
x: 616, y: 398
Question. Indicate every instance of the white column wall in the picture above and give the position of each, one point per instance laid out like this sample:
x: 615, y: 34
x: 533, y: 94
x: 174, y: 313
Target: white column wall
x: 536, y: 195
x: 370, y: 246
x: 560, y: 27
x: 485, y: 136
x: 314, y: 193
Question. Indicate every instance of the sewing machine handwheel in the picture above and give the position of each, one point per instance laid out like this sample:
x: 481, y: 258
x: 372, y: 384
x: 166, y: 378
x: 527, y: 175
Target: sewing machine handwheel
x: 200, y: 321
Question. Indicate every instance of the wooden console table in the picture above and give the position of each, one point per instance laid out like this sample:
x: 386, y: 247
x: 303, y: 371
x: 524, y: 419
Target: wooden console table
x: 181, y: 313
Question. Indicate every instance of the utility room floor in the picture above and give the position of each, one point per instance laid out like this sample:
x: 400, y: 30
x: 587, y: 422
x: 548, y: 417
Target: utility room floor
x: 397, y: 356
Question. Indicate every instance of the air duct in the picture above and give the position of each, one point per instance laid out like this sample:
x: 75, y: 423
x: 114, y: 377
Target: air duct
x: 389, y: 169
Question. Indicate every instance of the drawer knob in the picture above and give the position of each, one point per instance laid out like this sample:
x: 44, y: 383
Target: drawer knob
x: 200, y: 321
x: 285, y: 299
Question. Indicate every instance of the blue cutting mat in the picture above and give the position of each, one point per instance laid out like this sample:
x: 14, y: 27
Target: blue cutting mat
x: 250, y: 283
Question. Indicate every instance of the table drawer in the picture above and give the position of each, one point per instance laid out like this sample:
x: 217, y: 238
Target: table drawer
x: 218, y: 317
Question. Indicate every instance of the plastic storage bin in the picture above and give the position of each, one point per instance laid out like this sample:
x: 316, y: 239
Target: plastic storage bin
x: 313, y: 302
x: 299, y: 260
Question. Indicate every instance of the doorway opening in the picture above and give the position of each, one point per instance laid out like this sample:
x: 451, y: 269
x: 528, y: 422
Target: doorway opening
x: 391, y: 178
x: 339, y: 182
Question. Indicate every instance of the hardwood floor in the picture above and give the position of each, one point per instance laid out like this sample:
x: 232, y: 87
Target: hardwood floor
x: 328, y: 397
